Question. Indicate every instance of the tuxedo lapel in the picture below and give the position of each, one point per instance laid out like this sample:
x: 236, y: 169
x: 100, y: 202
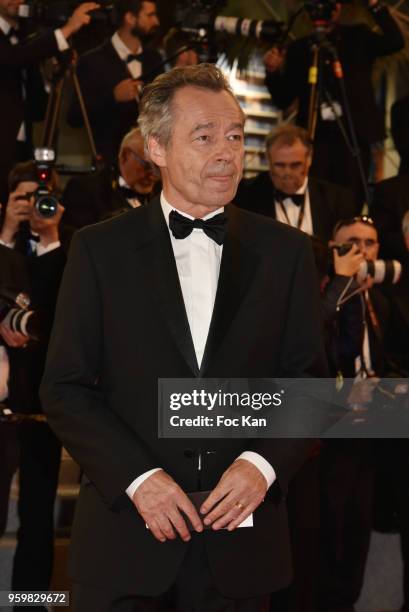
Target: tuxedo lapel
x: 158, y: 267
x: 236, y: 272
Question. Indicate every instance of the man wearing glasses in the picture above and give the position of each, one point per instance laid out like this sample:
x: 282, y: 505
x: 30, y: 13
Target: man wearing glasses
x: 107, y: 193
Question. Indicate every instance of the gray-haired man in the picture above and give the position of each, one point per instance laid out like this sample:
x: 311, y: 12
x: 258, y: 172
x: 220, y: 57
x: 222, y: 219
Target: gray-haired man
x: 207, y: 300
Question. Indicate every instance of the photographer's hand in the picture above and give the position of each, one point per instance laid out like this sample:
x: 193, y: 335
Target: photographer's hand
x: 47, y: 229
x: 127, y: 90
x: 11, y: 338
x: 18, y: 209
x: 79, y: 18
x: 348, y: 264
x: 274, y: 59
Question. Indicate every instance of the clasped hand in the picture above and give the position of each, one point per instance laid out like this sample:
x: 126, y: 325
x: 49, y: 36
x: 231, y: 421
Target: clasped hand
x: 163, y: 505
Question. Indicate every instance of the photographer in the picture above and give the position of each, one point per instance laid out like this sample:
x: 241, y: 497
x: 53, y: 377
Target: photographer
x: 348, y: 465
x: 21, y: 80
x: 358, y: 47
x: 112, y: 75
x: 32, y: 260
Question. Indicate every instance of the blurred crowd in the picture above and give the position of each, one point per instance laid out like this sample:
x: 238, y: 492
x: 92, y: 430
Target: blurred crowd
x: 314, y: 184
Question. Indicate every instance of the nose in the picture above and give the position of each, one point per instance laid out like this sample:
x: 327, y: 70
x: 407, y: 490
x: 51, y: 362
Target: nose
x: 225, y: 151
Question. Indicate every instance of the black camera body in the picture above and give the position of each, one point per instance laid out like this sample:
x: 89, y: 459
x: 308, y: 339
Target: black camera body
x: 55, y: 13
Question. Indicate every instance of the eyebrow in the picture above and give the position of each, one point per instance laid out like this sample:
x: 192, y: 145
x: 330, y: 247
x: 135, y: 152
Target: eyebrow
x: 210, y: 125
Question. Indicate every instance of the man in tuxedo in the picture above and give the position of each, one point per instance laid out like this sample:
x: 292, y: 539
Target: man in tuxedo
x: 287, y: 193
x: 389, y: 206
x: 21, y: 80
x: 185, y: 287
x: 31, y: 261
x: 109, y: 192
x: 358, y: 46
x: 400, y: 131
x: 112, y: 75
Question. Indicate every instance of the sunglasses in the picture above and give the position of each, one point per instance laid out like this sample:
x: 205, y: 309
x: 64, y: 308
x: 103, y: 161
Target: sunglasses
x: 359, y: 219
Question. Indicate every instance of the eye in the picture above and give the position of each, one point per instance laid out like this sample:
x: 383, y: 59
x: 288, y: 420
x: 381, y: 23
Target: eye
x: 203, y: 138
x: 235, y: 137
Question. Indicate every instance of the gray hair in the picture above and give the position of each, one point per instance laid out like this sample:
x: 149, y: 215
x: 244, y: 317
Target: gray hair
x: 286, y: 135
x: 129, y: 138
x: 405, y: 223
x: 155, y: 109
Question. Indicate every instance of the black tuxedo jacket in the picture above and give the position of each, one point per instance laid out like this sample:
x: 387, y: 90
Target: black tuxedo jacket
x: 400, y: 131
x: 93, y: 198
x: 358, y: 47
x: 39, y: 277
x: 99, y: 71
x: 390, y: 203
x: 126, y: 327
x: 329, y: 202
x: 13, y: 109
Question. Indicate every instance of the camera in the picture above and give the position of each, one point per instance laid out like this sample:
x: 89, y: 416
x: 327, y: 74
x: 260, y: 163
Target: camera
x: 200, y: 19
x: 55, y: 14
x: 46, y: 202
x: 382, y: 271
x: 320, y: 11
x: 15, y: 313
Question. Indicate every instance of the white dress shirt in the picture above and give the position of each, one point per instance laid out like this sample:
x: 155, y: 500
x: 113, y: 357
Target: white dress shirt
x: 134, y: 67
x: 198, y: 259
x: 134, y: 202
x: 293, y: 211
x: 62, y: 44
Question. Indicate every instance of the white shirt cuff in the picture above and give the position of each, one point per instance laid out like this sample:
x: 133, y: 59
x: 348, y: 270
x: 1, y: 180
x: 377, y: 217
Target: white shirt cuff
x: 9, y: 245
x: 138, y: 481
x: 42, y: 250
x: 262, y: 464
x: 62, y: 44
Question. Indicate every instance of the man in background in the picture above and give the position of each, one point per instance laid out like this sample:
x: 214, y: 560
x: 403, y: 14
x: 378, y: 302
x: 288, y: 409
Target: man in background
x: 287, y: 193
x: 112, y: 76
x: 109, y: 192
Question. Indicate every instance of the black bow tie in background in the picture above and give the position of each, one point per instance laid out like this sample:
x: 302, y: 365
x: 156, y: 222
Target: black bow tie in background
x: 13, y: 33
x: 297, y: 198
x: 131, y: 57
x: 128, y: 193
x: 215, y: 228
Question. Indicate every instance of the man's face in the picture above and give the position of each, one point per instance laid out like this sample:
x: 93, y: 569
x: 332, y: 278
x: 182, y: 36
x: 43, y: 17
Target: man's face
x: 203, y: 163
x: 9, y: 8
x: 289, y: 165
x: 146, y: 22
x: 363, y: 235
x: 136, y: 169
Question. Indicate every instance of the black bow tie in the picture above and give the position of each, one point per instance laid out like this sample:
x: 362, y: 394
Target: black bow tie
x: 215, y: 228
x: 13, y: 32
x: 297, y: 198
x: 131, y: 57
x: 128, y: 193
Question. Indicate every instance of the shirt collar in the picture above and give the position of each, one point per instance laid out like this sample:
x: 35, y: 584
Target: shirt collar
x: 167, y: 209
x: 5, y: 27
x: 122, y: 182
x: 121, y: 48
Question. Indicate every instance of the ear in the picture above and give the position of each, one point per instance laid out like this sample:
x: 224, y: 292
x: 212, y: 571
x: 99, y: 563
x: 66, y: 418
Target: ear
x: 129, y: 19
x: 157, y: 152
